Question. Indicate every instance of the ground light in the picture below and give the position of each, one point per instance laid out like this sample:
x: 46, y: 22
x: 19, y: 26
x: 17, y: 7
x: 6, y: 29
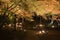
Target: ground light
x: 41, y: 32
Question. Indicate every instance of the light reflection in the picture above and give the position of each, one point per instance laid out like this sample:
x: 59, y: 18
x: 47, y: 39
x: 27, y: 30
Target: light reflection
x: 21, y: 23
x: 53, y: 26
x: 41, y: 25
x: 43, y: 31
x: 40, y: 32
x: 25, y: 30
x: 9, y: 25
